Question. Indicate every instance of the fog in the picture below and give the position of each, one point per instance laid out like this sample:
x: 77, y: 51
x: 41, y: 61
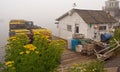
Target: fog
x: 42, y: 12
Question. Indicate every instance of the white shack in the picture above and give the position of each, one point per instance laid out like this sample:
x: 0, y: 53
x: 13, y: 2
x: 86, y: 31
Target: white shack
x: 90, y: 23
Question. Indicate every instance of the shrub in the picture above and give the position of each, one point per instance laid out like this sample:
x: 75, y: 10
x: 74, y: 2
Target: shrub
x: 90, y: 67
x: 41, y: 56
x: 116, y: 34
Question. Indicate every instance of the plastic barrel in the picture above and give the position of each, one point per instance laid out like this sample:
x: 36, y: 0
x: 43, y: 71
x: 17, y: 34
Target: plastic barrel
x: 105, y: 37
x: 74, y: 43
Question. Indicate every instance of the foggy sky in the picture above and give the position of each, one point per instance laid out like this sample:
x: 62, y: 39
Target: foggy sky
x: 41, y: 12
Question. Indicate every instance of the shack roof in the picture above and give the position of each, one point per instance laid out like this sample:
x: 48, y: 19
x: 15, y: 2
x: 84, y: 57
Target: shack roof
x: 91, y: 16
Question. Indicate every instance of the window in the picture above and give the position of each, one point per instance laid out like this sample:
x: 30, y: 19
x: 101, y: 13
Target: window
x: 112, y: 4
x: 102, y: 28
x: 69, y: 28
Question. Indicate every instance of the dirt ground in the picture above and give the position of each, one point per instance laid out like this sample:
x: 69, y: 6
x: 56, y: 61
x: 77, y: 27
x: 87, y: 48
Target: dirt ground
x: 69, y: 58
x: 114, y: 61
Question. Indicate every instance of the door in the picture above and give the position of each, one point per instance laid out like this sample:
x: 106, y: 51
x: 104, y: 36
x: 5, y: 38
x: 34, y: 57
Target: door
x: 76, y: 28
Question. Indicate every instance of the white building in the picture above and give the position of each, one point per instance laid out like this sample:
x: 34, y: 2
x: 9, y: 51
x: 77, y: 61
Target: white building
x: 112, y: 7
x: 90, y: 23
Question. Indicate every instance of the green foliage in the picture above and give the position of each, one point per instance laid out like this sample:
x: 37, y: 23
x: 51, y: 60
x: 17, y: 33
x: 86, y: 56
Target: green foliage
x: 90, y: 67
x: 95, y: 67
x: 117, y: 34
x: 112, y: 41
x: 41, y: 56
x: 1, y: 65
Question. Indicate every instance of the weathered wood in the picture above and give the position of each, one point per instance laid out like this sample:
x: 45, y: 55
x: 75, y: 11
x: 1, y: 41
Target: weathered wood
x: 104, y: 49
x: 108, y: 53
x: 112, y: 49
x: 118, y: 45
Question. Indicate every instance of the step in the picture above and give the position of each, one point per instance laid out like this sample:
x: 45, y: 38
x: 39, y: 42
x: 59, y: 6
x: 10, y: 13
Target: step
x: 68, y: 56
x: 67, y: 52
x: 70, y: 60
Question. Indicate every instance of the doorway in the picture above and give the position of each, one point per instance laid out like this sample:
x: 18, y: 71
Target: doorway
x: 76, y: 28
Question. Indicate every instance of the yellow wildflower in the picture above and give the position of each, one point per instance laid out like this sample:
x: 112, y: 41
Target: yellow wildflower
x: 27, y: 52
x: 36, y: 33
x: 75, y: 64
x: 30, y: 47
x: 37, y: 52
x: 13, y: 67
x: 10, y: 65
x: 49, y: 40
x: 84, y: 69
x: 12, y: 38
x: 21, y: 53
x: 46, y: 37
x: 9, y: 62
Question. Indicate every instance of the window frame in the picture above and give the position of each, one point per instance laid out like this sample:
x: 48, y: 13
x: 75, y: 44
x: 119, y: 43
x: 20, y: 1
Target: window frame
x: 69, y: 28
x: 102, y: 28
x: 76, y: 29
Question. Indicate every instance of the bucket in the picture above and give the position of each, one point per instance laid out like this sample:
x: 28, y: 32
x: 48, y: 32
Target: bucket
x: 79, y: 48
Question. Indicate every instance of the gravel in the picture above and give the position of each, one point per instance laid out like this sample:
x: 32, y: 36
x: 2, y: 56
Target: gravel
x: 114, y: 61
x: 2, y: 54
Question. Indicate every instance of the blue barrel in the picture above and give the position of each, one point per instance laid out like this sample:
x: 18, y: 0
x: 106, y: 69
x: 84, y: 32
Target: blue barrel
x: 105, y: 37
x: 74, y: 43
